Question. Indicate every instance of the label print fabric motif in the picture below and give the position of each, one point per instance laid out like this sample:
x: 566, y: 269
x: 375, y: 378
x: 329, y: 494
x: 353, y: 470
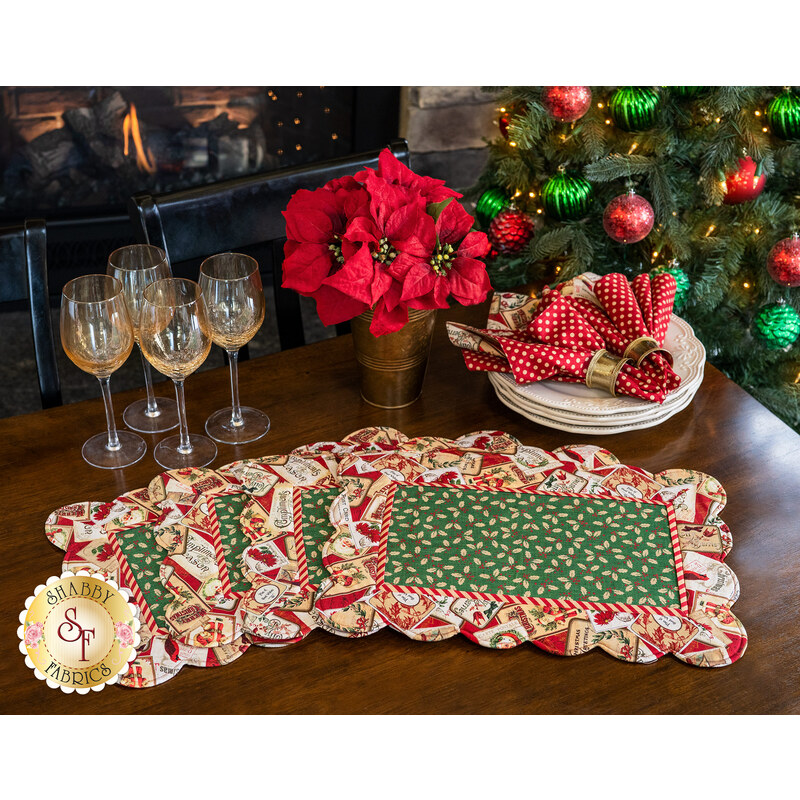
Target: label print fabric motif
x: 531, y: 545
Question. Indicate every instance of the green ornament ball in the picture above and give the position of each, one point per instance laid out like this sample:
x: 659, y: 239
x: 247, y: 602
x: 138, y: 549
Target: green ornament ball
x: 777, y: 325
x: 567, y: 196
x: 490, y: 204
x: 783, y: 115
x: 634, y: 108
x: 683, y: 284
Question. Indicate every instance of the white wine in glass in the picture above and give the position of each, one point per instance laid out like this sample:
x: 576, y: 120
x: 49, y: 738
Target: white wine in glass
x: 97, y: 336
x: 137, y: 266
x: 234, y: 299
x: 175, y: 339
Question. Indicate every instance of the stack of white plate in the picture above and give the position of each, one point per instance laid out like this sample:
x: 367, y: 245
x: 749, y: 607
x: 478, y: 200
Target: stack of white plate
x: 577, y: 408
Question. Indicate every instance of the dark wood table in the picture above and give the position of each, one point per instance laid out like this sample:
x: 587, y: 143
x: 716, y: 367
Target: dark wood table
x: 312, y: 394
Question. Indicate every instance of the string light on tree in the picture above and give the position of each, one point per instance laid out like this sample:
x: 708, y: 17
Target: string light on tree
x: 566, y: 103
x: 745, y: 183
x: 783, y: 261
x: 510, y: 231
x: 777, y: 325
x: 628, y: 218
x: 634, y: 108
x: 567, y: 196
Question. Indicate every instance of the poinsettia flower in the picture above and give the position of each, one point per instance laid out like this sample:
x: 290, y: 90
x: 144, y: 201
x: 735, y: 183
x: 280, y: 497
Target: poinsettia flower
x: 315, y: 223
x: 393, y: 236
x: 393, y: 171
x: 454, y: 267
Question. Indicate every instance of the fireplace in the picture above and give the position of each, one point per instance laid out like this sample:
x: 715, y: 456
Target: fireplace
x: 74, y: 155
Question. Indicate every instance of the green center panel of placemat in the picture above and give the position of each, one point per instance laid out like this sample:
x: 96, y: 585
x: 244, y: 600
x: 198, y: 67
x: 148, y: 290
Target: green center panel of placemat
x: 144, y: 558
x: 317, y: 529
x: 531, y: 545
x: 234, y: 539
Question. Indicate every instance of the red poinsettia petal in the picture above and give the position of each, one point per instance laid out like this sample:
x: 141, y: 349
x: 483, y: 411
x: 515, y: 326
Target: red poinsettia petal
x: 305, y: 266
x: 381, y: 283
x: 428, y: 301
x: 391, y: 297
x: 385, y: 321
x: 410, y: 229
x: 419, y: 280
x: 394, y: 171
x: 334, y: 307
x: 355, y: 277
x: 454, y: 223
x: 403, y: 262
x: 475, y: 245
x: 469, y: 283
x: 362, y: 229
x: 312, y: 216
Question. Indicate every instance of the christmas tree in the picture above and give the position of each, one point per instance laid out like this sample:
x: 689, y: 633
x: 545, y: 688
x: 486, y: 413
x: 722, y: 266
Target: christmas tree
x: 701, y: 181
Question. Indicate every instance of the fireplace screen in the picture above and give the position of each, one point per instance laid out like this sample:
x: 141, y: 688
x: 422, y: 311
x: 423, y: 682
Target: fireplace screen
x: 87, y: 149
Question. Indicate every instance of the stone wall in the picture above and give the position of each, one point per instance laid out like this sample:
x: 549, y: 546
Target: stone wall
x: 445, y: 127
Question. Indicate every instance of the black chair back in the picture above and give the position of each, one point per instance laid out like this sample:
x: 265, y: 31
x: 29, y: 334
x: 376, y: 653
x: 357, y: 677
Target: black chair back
x: 241, y: 213
x: 23, y: 276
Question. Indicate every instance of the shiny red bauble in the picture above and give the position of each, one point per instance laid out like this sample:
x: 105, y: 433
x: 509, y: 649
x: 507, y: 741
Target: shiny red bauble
x: 566, y: 103
x: 783, y: 262
x: 628, y: 218
x: 510, y: 231
x: 743, y: 185
x: 503, y: 123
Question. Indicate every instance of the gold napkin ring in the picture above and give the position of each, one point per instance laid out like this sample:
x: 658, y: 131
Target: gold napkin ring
x: 603, y: 370
x: 640, y: 348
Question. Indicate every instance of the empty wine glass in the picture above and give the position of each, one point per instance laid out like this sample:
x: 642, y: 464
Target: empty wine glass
x: 137, y: 266
x: 234, y: 300
x: 97, y: 336
x: 175, y: 339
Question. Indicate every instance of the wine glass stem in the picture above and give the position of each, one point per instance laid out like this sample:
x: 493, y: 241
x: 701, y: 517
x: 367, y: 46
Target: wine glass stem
x: 152, y: 406
x: 236, y: 415
x: 113, y: 439
x: 185, y: 446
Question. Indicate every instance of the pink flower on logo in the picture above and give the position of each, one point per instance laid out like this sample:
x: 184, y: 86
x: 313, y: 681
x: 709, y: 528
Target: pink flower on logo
x: 33, y: 634
x: 124, y: 633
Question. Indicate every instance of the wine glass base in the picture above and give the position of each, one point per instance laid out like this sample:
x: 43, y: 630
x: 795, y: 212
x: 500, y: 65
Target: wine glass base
x: 204, y: 451
x: 131, y: 449
x: 136, y: 417
x: 255, y: 424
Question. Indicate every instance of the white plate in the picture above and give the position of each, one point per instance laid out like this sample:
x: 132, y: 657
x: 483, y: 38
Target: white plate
x: 511, y: 401
x: 576, y: 399
x: 654, y: 411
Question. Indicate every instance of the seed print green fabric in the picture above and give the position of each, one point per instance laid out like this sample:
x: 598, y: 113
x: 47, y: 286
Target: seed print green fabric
x: 532, y: 545
x: 317, y: 529
x: 234, y: 539
x: 140, y: 550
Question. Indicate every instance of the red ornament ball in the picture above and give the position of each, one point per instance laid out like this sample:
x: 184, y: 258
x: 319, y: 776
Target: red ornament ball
x: 743, y: 184
x: 783, y: 262
x: 567, y: 103
x: 510, y: 231
x: 503, y: 123
x: 628, y: 218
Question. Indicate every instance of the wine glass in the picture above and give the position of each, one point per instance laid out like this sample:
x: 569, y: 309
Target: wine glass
x: 97, y: 336
x: 234, y: 300
x: 136, y: 266
x: 175, y: 339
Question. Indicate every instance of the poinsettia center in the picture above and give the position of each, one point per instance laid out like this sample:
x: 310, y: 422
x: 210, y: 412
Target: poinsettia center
x: 442, y: 259
x: 385, y: 252
x: 336, y: 249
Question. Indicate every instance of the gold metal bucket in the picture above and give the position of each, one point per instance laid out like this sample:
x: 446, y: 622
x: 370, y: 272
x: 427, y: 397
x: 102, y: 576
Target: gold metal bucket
x: 392, y: 367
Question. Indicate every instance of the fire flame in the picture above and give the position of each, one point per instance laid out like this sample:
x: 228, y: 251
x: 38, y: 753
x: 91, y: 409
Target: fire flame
x: 130, y: 126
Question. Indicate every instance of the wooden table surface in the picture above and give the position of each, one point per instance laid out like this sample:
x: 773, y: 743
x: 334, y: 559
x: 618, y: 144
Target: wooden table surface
x: 312, y: 394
